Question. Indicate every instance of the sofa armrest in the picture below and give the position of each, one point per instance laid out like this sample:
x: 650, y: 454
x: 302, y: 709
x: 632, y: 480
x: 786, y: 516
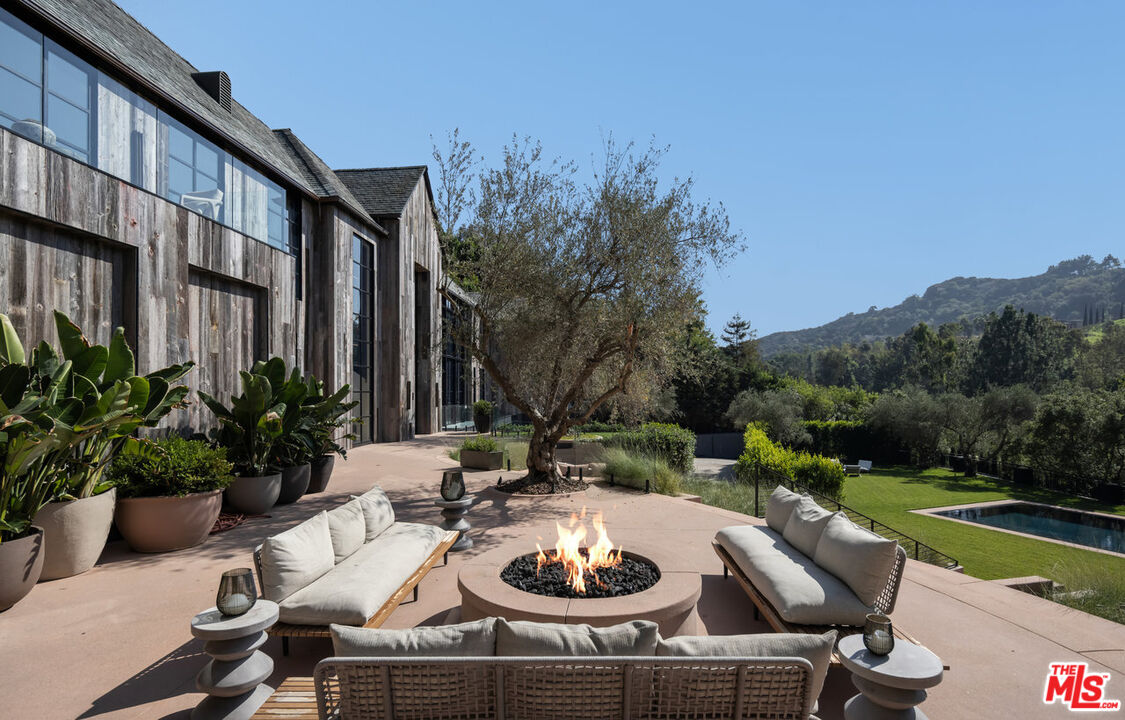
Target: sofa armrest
x: 885, y: 603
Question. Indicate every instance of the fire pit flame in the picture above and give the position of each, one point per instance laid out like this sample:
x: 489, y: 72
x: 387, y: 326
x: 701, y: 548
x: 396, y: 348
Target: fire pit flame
x: 568, y: 552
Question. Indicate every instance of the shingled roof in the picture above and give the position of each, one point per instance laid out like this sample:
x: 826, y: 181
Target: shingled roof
x: 385, y: 191
x: 114, y: 35
x: 317, y: 174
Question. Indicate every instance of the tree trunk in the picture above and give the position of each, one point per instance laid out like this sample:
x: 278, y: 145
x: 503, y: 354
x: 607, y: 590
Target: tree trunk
x: 541, y: 463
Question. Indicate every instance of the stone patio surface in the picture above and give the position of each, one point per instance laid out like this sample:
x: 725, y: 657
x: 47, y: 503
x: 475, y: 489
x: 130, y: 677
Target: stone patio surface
x: 115, y: 641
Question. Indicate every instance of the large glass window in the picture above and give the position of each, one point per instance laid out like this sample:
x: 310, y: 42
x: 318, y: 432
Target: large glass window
x: 363, y: 336
x: 21, y: 77
x: 69, y: 99
x: 456, y: 375
x: 193, y: 169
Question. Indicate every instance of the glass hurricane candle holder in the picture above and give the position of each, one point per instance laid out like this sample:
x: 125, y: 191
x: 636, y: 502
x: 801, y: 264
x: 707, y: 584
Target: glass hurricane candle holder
x: 237, y: 592
x: 452, y: 485
x: 878, y: 634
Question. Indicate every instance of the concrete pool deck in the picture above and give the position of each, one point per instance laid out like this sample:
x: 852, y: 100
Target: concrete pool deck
x: 115, y: 641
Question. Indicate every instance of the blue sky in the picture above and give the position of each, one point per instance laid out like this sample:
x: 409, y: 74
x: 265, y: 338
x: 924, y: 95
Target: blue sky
x: 865, y: 149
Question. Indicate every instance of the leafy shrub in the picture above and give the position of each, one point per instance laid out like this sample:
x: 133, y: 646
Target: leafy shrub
x: 482, y: 407
x: 816, y: 472
x: 170, y: 468
x: 634, y: 469
x: 480, y: 443
x: 671, y: 443
x: 600, y: 427
x: 763, y: 459
x: 514, y: 429
x: 852, y: 439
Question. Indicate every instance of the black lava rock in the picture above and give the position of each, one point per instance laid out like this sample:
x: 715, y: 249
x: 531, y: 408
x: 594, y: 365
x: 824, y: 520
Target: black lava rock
x: 629, y: 577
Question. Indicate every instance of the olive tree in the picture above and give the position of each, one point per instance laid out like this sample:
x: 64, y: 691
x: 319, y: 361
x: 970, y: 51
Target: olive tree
x: 582, y: 286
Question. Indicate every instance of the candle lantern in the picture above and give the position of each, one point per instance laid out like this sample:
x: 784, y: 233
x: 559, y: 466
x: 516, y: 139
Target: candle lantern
x: 237, y: 592
x: 452, y: 485
x: 878, y: 634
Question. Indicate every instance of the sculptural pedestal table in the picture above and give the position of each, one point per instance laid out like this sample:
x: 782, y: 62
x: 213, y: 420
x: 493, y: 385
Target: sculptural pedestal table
x: 233, y: 677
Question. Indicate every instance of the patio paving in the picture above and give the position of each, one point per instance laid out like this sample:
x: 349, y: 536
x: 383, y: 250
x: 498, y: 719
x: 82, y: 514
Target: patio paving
x: 114, y: 642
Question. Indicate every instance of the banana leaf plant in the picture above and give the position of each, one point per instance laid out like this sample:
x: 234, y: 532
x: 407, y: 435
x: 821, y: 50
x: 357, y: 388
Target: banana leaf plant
x: 252, y: 425
x: 328, y: 414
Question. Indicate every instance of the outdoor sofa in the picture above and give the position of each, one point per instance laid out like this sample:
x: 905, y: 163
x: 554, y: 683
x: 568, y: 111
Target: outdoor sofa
x: 493, y: 668
x: 352, y: 565
x: 810, y: 569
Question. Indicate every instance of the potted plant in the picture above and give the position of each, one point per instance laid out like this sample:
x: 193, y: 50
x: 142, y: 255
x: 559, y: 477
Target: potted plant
x: 328, y: 416
x: 169, y: 492
x: 114, y: 402
x: 293, y: 450
x: 249, y: 429
x: 481, y: 453
x: 482, y: 415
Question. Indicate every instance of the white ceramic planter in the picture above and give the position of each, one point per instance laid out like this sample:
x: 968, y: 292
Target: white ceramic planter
x: 21, y: 562
x: 75, y: 532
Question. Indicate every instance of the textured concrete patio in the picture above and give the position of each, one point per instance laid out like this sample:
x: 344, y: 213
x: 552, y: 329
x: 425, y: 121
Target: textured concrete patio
x: 114, y: 642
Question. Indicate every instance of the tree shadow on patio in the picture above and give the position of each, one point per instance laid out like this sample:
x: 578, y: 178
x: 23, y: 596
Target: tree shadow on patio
x: 171, y: 675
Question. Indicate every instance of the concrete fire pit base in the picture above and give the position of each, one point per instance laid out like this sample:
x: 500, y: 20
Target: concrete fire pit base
x: 670, y: 603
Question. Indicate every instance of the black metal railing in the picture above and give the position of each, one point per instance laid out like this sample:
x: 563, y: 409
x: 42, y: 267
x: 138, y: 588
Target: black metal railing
x: 914, y: 548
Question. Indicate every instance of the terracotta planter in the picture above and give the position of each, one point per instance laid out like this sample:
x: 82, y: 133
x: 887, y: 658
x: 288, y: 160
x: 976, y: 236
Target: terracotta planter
x: 254, y: 495
x: 21, y: 562
x: 480, y: 460
x: 162, y: 524
x: 321, y: 473
x: 294, y: 483
x: 75, y: 532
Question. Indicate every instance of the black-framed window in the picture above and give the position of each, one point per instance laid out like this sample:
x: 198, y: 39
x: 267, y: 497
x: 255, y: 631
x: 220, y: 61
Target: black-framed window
x: 456, y: 374
x: 363, y: 336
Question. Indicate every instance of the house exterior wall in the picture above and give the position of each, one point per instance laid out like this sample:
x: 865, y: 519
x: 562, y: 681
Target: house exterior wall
x: 411, y: 247
x: 108, y: 253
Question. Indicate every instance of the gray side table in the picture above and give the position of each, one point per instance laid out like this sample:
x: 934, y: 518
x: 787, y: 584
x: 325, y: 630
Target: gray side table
x: 233, y: 677
x: 890, y: 686
x: 454, y: 512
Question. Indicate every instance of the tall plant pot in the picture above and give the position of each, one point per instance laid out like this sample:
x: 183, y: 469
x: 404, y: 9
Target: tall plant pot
x: 21, y: 563
x: 482, y: 422
x: 294, y: 483
x: 320, y: 474
x: 163, y: 524
x: 254, y: 495
x: 75, y: 532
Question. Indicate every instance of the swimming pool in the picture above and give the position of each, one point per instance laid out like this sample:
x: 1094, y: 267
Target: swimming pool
x: 1104, y: 532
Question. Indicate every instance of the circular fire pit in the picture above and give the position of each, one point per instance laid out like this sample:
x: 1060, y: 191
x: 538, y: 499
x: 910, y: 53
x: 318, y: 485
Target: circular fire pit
x: 633, y: 575
x: 670, y: 602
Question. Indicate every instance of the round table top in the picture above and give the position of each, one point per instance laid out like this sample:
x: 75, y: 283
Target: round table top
x: 908, y: 666
x: 213, y: 625
x: 465, y: 501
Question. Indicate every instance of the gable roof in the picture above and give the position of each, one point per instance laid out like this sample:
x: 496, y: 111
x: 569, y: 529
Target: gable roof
x: 386, y: 191
x: 137, y: 54
x: 318, y: 176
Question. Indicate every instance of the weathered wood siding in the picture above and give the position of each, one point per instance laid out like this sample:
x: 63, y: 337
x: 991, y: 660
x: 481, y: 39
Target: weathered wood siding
x: 190, y: 277
x: 412, y: 246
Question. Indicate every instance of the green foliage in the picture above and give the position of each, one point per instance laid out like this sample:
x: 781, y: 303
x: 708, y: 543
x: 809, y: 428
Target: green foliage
x: 635, y: 469
x: 777, y: 411
x: 599, y: 427
x: 762, y: 459
x: 482, y: 407
x: 254, y: 423
x: 671, y: 443
x: 1089, y: 588
x: 816, y: 472
x: 514, y: 429
x: 911, y: 416
x: 480, y: 443
x: 169, y: 468
x: 1081, y: 433
x: 1023, y: 348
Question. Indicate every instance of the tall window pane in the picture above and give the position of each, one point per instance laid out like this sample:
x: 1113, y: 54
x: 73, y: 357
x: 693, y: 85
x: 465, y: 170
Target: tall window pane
x: 194, y: 170
x: 70, y: 83
x: 126, y: 133
x: 21, y: 77
x: 363, y: 271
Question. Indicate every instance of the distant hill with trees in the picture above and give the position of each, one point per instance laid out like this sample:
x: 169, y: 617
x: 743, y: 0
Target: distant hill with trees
x: 1080, y: 291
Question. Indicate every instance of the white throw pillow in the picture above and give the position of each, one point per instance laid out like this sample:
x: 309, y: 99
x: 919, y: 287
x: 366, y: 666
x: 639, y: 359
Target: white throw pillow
x: 805, y: 525
x: 470, y: 639
x: 521, y: 638
x: 296, y: 557
x: 860, y: 558
x: 348, y: 528
x: 780, y: 507
x: 378, y: 512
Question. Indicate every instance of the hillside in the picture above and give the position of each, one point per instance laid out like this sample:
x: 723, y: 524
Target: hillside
x: 1064, y: 292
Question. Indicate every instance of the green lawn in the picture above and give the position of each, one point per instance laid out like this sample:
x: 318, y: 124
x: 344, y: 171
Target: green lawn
x: 888, y: 495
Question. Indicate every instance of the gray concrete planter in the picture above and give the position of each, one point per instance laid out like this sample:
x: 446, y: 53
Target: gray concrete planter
x: 21, y: 562
x: 321, y: 473
x: 74, y: 533
x: 254, y: 495
x: 480, y: 460
x: 294, y: 483
x: 163, y: 524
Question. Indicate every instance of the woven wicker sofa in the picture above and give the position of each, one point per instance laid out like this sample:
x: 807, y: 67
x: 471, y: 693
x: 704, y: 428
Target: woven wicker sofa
x: 810, y: 570
x: 492, y: 669
x: 352, y: 565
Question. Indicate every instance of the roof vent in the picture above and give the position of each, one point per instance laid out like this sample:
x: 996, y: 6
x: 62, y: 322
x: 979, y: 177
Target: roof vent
x: 216, y: 84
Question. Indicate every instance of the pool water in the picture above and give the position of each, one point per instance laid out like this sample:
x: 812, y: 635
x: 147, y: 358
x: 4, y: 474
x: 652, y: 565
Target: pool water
x: 1048, y: 521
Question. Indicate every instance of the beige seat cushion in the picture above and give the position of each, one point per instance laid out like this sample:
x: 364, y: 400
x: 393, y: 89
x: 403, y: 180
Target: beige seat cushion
x: 805, y: 525
x: 780, y: 507
x: 377, y: 512
x: 860, y: 558
x: 800, y: 590
x: 817, y: 649
x: 533, y: 639
x: 348, y: 528
x: 363, y: 582
x: 471, y: 639
x: 296, y: 558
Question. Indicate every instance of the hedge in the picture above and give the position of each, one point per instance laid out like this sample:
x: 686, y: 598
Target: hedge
x: 852, y: 440
x: 671, y: 443
x: 762, y: 458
